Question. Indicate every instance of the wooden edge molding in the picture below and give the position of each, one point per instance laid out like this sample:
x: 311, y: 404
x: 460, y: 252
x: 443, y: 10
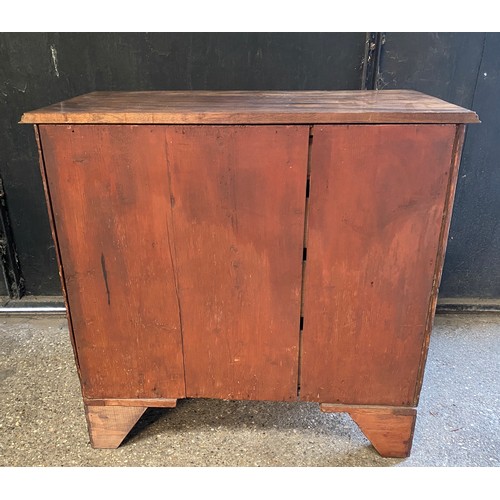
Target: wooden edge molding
x: 152, y: 402
x: 388, y: 428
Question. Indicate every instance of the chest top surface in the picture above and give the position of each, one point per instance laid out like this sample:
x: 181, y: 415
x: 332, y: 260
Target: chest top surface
x: 252, y: 107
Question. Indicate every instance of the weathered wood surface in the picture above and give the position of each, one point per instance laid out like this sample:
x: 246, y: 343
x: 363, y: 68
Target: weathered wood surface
x: 443, y: 240
x: 109, y: 425
x: 237, y: 222
x: 252, y: 107
x: 378, y: 198
x: 170, y: 229
x: 389, y: 429
x: 109, y: 192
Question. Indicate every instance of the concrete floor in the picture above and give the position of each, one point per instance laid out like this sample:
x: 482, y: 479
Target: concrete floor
x: 42, y: 420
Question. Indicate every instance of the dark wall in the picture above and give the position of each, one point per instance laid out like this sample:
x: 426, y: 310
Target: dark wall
x: 3, y: 288
x: 463, y: 68
x: 39, y: 69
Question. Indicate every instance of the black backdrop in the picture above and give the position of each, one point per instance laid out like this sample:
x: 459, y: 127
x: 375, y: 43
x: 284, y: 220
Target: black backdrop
x: 41, y: 68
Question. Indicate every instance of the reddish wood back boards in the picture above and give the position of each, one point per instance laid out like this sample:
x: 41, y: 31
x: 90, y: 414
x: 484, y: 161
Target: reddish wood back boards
x: 182, y: 252
x: 198, y: 230
x: 237, y: 196
x: 110, y: 207
x: 377, y: 200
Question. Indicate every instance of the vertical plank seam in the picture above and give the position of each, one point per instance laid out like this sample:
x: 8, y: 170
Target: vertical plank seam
x: 53, y: 228
x: 304, y: 254
x: 173, y: 261
x: 438, y: 266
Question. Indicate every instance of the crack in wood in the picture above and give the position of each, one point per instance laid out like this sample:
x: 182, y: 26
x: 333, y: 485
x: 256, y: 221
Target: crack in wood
x: 105, y: 276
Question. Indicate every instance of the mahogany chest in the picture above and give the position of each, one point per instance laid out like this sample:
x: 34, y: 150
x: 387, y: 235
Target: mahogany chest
x: 281, y: 246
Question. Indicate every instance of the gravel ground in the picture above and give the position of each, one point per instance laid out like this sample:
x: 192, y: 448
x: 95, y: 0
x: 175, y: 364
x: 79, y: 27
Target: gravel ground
x: 42, y: 422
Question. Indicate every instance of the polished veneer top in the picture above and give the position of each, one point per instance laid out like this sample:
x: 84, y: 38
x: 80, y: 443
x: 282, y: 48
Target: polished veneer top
x: 252, y: 107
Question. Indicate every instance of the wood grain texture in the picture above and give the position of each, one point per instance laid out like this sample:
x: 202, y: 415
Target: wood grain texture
x: 376, y: 210
x: 109, y: 192
x: 252, y: 107
x: 237, y: 222
x: 156, y: 403
x: 389, y: 429
x: 109, y: 425
x: 443, y: 240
